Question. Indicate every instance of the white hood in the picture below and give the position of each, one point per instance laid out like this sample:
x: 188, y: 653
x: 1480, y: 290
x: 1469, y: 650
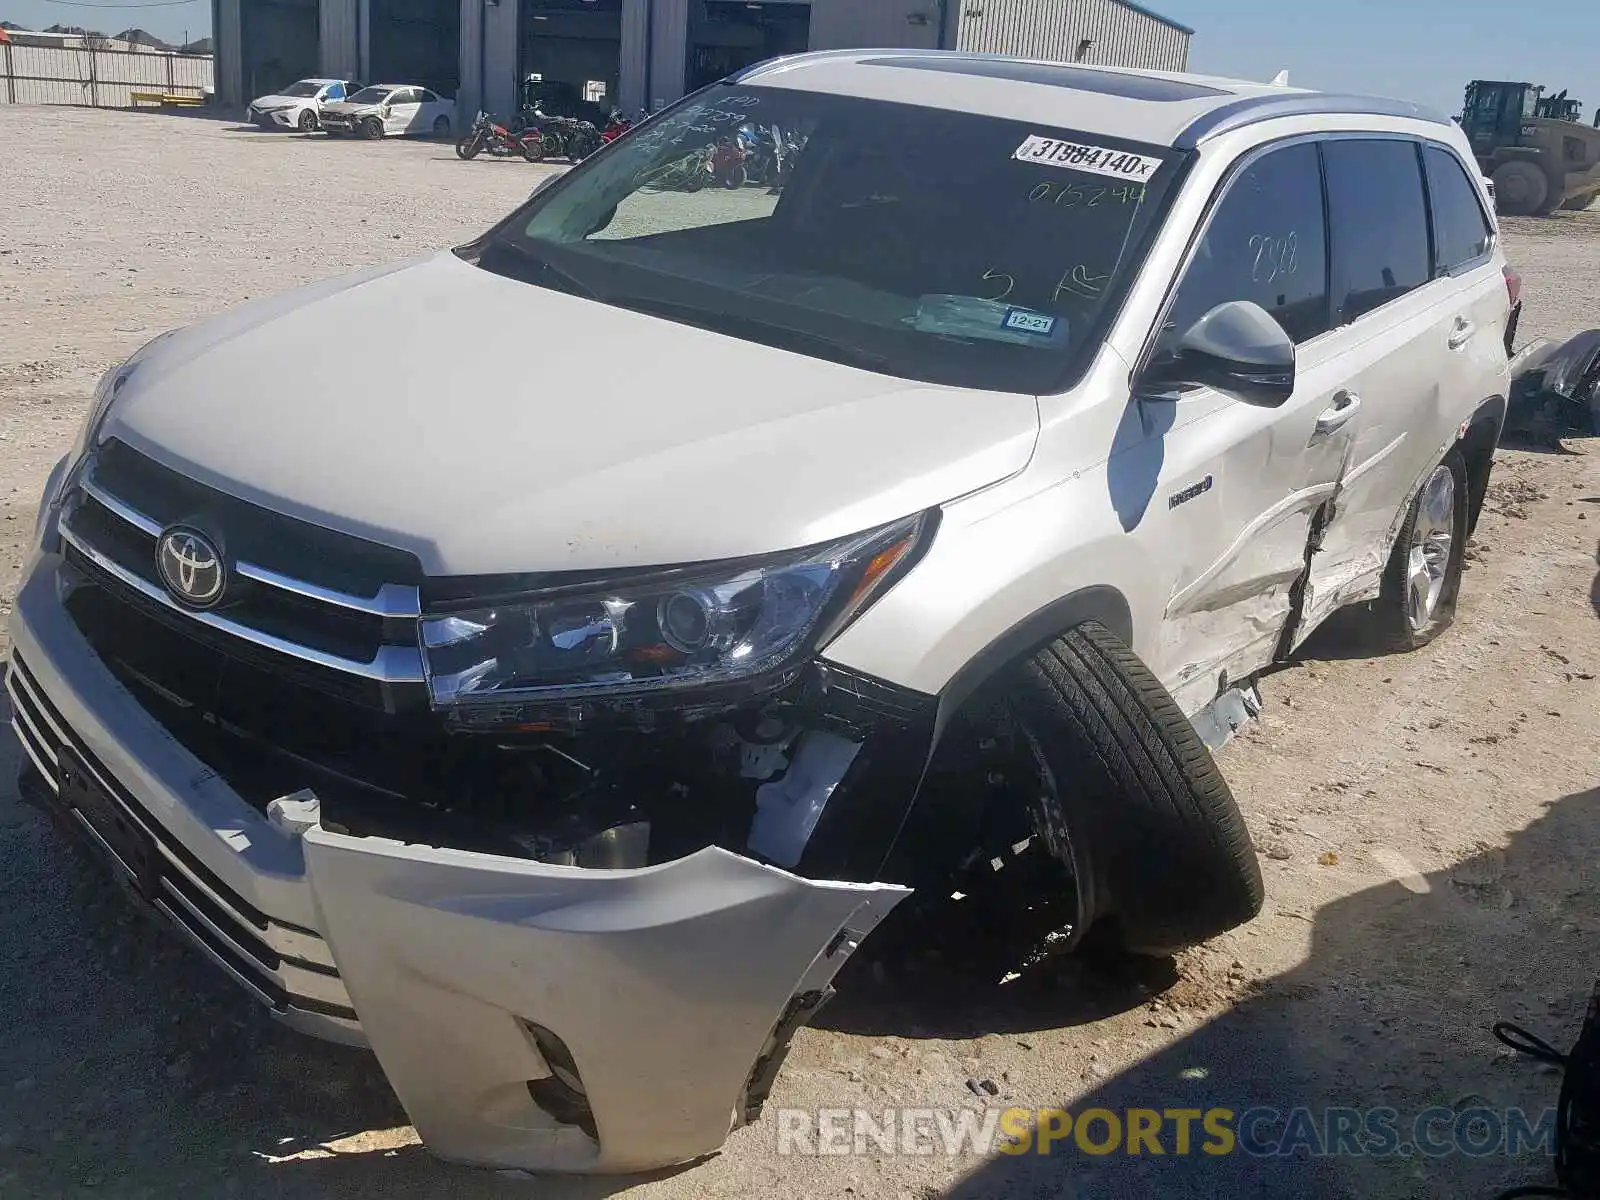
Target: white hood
x: 491, y: 426
x: 281, y: 101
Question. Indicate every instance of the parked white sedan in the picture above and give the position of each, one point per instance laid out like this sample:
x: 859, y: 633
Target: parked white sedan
x: 298, y: 106
x: 390, y: 108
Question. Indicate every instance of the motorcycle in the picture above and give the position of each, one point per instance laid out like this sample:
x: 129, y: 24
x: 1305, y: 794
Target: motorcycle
x: 568, y: 136
x: 488, y: 135
x: 617, y: 126
x: 729, y: 158
x: 687, y: 174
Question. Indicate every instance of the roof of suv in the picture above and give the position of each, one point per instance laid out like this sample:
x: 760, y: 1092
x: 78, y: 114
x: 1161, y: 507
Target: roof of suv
x: 1160, y: 107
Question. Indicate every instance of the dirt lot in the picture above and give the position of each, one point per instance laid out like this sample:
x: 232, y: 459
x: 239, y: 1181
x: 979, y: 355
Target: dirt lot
x: 1428, y: 824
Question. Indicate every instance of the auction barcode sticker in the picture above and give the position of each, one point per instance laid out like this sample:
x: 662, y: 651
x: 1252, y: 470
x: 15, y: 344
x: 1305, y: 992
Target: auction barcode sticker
x: 1097, y: 160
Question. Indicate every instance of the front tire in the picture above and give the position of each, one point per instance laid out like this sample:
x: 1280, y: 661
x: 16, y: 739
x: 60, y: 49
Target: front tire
x: 1423, y: 577
x: 467, y: 147
x: 307, y: 122
x: 1125, y: 798
x: 371, y: 129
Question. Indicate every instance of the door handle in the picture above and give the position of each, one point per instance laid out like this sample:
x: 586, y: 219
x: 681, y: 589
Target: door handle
x: 1461, y: 334
x: 1344, y: 407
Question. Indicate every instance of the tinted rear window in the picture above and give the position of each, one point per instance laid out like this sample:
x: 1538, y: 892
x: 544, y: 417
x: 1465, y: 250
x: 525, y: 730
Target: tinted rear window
x: 1461, y: 232
x: 1379, y: 221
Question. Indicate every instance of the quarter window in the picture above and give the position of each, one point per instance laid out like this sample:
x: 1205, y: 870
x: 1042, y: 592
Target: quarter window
x: 1460, y: 231
x: 1266, y: 243
x: 1379, y: 221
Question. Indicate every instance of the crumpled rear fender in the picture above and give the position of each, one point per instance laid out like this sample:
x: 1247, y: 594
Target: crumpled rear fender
x: 666, y: 985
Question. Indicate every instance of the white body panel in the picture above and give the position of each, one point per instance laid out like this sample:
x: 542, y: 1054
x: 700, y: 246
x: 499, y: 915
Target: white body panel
x: 600, y: 459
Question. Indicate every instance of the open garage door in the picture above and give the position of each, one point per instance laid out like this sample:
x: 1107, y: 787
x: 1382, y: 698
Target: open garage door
x: 278, y: 39
x: 727, y: 35
x: 573, y: 51
x: 416, y: 41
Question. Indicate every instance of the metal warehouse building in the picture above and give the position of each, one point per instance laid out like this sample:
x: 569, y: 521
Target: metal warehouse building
x: 644, y: 53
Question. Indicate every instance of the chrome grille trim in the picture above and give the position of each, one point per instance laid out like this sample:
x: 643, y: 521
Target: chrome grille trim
x: 392, y: 600
x: 392, y: 664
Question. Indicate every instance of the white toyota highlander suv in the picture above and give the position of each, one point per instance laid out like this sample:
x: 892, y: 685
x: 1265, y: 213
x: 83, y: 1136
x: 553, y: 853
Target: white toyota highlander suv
x: 909, y: 526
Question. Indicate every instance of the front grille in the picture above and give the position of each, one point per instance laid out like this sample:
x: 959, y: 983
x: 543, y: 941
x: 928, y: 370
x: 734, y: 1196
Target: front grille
x: 333, y: 612
x: 282, y: 965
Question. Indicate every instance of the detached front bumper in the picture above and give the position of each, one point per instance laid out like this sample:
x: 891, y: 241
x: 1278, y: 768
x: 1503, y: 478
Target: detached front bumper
x: 528, y: 1015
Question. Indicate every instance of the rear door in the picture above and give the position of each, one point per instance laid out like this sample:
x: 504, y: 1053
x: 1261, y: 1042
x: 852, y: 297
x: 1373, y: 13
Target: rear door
x: 1410, y: 340
x: 431, y: 109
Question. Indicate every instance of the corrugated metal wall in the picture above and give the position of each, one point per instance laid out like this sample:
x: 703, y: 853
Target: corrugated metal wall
x: 633, y: 55
x: 230, y: 55
x: 1120, y: 36
x: 848, y: 24
x: 670, y: 54
x: 498, y: 92
x: 339, y: 50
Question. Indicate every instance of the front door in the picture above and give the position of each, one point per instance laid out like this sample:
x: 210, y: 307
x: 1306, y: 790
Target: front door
x: 402, y: 111
x: 1239, y: 484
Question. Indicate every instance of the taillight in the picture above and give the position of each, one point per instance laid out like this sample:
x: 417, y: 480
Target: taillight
x: 1513, y: 286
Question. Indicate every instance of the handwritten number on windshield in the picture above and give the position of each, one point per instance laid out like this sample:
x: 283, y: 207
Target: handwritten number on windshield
x: 996, y: 275
x: 1072, y: 195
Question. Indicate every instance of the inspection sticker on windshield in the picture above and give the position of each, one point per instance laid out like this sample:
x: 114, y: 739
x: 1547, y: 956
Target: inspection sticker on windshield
x: 1030, y: 322
x: 1097, y: 160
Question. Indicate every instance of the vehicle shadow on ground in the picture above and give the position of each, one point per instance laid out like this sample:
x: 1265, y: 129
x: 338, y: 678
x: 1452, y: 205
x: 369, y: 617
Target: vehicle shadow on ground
x: 1363, y: 1024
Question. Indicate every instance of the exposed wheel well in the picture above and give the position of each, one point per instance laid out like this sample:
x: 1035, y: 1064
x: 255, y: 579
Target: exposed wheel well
x: 1099, y: 603
x: 1477, y: 448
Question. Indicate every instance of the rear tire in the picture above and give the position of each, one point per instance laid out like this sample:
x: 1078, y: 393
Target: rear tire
x: 441, y: 128
x: 533, y: 150
x: 1521, y: 188
x: 1131, y: 802
x: 1423, y: 577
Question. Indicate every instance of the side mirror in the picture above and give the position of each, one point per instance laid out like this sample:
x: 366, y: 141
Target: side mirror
x: 1236, y: 348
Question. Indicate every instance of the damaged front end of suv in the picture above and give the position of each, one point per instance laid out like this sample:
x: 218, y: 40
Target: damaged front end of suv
x: 565, y: 841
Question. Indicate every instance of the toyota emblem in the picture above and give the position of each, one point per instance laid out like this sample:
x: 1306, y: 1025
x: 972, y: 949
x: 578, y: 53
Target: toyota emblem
x: 191, y: 567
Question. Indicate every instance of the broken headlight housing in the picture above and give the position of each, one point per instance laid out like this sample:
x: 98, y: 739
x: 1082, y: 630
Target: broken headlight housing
x: 691, y: 627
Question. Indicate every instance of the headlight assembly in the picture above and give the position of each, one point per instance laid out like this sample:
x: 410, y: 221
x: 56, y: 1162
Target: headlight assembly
x: 668, y: 630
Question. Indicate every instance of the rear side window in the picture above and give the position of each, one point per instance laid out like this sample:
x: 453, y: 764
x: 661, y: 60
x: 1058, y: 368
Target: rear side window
x: 1266, y: 243
x: 1461, y: 233
x: 1379, y: 220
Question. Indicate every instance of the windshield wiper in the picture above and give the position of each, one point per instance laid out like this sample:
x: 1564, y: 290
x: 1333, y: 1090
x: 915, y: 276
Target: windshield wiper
x: 782, y: 335
x: 568, y: 282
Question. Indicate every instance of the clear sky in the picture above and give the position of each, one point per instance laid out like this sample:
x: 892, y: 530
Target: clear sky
x: 1423, y: 50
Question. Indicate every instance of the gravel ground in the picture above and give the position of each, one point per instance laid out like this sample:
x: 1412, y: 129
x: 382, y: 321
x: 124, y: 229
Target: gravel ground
x: 1427, y: 823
